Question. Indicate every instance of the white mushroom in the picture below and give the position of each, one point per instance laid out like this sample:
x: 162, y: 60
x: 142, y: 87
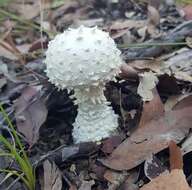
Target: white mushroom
x: 84, y: 59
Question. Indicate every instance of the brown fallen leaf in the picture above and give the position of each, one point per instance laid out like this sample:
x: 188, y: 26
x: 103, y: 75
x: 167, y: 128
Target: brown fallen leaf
x: 128, y: 72
x: 175, y: 159
x: 52, y: 176
x: 30, y: 114
x: 4, y: 52
x: 153, y: 15
x: 131, y: 181
x: 152, y: 109
x: 188, y: 12
x: 153, y: 167
x: 178, y: 102
x: 86, y: 185
x: 111, y: 143
x: 115, y: 177
x: 72, y: 187
x: 145, y: 65
x: 122, y: 180
x: 127, y: 24
x: 179, y: 65
x: 185, y: 101
x: 153, y: 21
x: 175, y: 180
x: 150, y: 139
x: 28, y: 9
x: 147, y: 83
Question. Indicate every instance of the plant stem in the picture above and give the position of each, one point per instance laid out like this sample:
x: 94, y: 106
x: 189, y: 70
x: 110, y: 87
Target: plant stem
x: 141, y: 45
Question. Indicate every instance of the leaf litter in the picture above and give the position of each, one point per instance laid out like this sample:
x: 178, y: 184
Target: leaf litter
x: 152, y: 95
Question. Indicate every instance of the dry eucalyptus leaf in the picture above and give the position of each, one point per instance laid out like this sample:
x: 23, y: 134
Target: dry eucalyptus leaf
x: 175, y: 158
x: 52, y: 176
x: 151, y: 109
x: 115, y: 177
x: 189, y: 41
x: 142, y: 65
x: 153, y: 21
x: 150, y: 139
x: 153, y: 15
x: 86, y: 185
x: 184, y: 102
x: 127, y: 24
x: 187, y: 145
x: 175, y: 180
x: 30, y: 113
x: 128, y: 72
x: 178, y: 102
x: 179, y: 66
x: 28, y: 9
x: 148, y: 82
x: 7, y: 54
x: 153, y: 167
x: 188, y: 12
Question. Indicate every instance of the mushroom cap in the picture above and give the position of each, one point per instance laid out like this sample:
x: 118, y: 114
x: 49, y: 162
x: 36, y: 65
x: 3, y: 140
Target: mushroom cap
x: 82, y: 57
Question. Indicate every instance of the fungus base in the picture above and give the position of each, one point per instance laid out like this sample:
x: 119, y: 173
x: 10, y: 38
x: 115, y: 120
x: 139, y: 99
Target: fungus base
x: 95, y: 120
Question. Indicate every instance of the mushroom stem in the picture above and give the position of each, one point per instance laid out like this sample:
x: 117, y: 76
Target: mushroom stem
x: 94, y: 122
x: 92, y: 93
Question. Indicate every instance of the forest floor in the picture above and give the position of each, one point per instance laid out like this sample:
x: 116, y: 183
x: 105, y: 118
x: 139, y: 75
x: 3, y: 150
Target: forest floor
x: 152, y: 97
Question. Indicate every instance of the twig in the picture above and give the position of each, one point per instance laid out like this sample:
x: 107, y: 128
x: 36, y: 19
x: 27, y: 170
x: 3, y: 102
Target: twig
x: 142, y: 45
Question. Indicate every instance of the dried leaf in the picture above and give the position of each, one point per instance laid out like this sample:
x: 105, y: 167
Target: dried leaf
x: 171, y: 101
x: 153, y: 16
x: 153, y: 167
x: 189, y: 41
x: 86, y: 185
x: 150, y: 139
x: 7, y: 54
x: 52, y: 176
x: 111, y: 143
x: 176, y: 159
x: 130, y: 182
x: 28, y: 9
x: 3, y: 82
x: 69, y: 151
x: 187, y: 145
x: 175, y: 180
x: 179, y: 66
x: 30, y: 114
x: 188, y: 12
x: 152, y: 109
x: 185, y: 101
x: 115, y: 177
x: 128, y: 72
x: 121, y: 28
x: 178, y: 102
x: 72, y: 187
x: 153, y: 21
x: 147, y: 83
x: 127, y: 24
x: 142, y: 65
x: 172, y: 181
